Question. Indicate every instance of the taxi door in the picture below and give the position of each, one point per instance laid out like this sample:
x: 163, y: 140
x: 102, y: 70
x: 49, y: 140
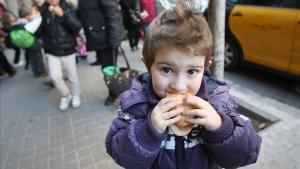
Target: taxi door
x: 295, y: 62
x: 265, y: 34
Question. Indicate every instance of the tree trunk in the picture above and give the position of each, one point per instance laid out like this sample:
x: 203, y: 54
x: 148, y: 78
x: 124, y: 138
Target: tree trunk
x: 216, y: 21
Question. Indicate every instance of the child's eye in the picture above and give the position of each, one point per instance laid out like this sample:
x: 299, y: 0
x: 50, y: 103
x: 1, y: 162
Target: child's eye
x: 166, y: 70
x: 192, y: 71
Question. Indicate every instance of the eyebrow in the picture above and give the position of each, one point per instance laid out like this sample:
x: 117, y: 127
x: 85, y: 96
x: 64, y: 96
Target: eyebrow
x: 196, y: 66
x: 164, y: 63
x: 169, y: 64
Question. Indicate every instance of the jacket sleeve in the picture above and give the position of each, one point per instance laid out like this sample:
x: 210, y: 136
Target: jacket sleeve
x: 235, y: 143
x: 133, y: 143
x: 113, y: 20
x: 71, y: 20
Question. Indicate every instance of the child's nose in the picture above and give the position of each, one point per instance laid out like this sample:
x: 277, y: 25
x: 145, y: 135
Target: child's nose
x: 178, y: 85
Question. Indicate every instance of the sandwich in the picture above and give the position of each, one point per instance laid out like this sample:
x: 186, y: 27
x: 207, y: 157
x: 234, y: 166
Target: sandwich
x: 182, y: 127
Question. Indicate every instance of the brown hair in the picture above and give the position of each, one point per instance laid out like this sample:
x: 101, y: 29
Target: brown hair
x: 25, y: 11
x: 181, y: 27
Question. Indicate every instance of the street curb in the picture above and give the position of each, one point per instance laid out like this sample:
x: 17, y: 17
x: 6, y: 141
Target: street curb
x: 263, y: 106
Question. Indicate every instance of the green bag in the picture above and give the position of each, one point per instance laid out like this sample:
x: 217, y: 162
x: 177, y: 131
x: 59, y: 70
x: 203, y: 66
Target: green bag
x: 21, y: 38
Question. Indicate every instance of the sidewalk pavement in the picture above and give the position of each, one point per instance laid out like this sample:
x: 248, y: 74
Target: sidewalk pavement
x: 36, y: 135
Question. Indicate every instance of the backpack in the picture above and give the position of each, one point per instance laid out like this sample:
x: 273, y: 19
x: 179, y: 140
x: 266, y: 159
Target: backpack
x: 22, y: 38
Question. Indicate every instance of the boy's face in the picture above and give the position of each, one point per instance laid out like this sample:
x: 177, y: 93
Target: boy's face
x: 53, y: 2
x: 175, y: 71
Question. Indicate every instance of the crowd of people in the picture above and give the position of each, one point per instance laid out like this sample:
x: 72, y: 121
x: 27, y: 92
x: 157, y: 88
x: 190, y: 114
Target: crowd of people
x: 55, y: 26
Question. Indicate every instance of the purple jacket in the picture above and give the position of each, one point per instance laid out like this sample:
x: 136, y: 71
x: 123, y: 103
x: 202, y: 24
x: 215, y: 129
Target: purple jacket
x: 134, y: 144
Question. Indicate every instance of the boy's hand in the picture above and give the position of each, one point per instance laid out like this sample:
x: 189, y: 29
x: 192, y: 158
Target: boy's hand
x: 56, y: 10
x: 205, y: 114
x: 162, y: 116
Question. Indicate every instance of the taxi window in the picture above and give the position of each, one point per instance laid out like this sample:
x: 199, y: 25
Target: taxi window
x: 270, y: 3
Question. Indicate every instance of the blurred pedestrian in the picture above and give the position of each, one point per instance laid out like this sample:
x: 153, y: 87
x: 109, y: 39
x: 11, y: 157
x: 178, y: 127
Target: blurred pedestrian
x: 103, y: 29
x: 32, y: 21
x: 5, y: 66
x: 148, y: 8
x: 131, y: 20
x: 8, y: 20
x: 58, y: 30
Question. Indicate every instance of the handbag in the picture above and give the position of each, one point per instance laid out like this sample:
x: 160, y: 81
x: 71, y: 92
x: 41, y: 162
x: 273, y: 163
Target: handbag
x: 119, y: 79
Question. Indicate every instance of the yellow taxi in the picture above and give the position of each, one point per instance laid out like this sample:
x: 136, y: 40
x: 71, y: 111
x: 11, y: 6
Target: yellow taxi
x: 263, y: 32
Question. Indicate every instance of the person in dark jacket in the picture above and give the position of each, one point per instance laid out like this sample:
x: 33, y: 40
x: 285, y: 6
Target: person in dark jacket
x: 5, y: 66
x: 131, y: 20
x: 176, y: 52
x: 104, y: 31
x: 58, y: 30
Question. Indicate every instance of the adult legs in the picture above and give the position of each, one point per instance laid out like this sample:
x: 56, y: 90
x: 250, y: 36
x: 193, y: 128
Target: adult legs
x: 131, y: 38
x: 108, y: 60
x: 17, y: 54
x: 5, y: 65
x: 98, y: 58
x: 136, y: 36
x: 36, y: 60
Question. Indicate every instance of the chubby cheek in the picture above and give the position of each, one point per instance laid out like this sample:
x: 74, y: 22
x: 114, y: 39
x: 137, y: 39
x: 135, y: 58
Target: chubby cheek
x: 194, y: 87
x: 159, y: 86
x: 195, y: 84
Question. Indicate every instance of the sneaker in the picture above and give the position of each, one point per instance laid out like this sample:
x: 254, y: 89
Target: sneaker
x: 65, y: 102
x: 76, y: 101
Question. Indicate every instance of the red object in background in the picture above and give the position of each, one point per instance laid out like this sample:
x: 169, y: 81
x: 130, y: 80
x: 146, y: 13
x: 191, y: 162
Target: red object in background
x: 150, y: 7
x: 142, y: 34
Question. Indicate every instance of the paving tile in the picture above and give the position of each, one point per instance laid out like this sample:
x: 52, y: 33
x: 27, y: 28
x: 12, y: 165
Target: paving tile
x: 86, y: 162
x: 72, y: 165
x: 71, y: 156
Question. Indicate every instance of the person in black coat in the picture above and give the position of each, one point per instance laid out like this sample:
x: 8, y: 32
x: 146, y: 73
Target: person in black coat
x: 104, y: 31
x: 131, y: 20
x: 58, y: 29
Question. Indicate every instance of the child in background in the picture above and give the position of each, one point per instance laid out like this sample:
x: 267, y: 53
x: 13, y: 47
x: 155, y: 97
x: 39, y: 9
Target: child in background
x: 176, y: 52
x: 33, y: 53
x: 58, y: 30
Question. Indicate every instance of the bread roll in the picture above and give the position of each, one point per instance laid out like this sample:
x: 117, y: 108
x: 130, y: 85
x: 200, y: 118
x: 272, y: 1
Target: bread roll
x: 182, y: 127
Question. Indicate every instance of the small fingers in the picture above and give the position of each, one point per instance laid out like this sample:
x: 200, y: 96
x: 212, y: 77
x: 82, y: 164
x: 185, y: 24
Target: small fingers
x: 199, y: 121
x: 173, y: 113
x: 169, y: 103
x: 195, y: 112
x: 196, y: 101
x: 173, y: 120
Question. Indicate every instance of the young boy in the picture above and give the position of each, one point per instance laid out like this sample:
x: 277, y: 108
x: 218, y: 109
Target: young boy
x: 176, y: 52
x: 58, y: 30
x: 33, y: 54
